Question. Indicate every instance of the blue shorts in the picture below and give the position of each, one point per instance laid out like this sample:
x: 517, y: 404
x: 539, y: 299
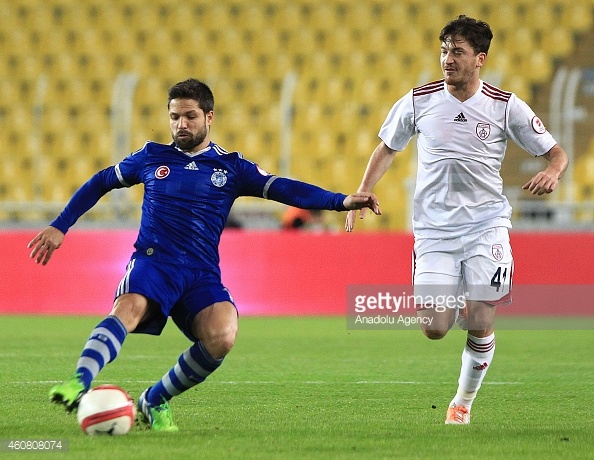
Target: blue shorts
x: 179, y: 293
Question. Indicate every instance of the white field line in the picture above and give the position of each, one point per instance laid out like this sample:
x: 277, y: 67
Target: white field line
x: 276, y: 382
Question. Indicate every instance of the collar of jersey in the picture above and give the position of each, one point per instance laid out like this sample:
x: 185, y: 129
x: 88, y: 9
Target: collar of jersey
x: 193, y: 154
x: 468, y: 101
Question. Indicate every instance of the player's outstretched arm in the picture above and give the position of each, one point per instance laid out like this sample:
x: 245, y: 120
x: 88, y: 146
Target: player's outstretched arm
x: 379, y: 163
x: 361, y: 200
x: 546, y: 181
x: 45, y: 243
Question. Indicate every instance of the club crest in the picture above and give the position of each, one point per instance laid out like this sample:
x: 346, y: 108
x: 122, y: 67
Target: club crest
x: 497, y: 251
x: 483, y: 130
x: 219, y: 177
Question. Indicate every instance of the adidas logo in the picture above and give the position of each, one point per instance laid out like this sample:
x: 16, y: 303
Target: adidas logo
x: 192, y: 166
x: 461, y: 118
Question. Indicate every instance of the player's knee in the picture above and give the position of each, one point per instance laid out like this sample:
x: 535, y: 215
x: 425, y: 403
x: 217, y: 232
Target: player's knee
x: 220, y: 342
x: 216, y: 327
x: 130, y: 309
x: 435, y: 334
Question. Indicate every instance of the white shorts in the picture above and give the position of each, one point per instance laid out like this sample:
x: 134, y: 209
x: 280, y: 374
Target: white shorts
x: 478, y: 267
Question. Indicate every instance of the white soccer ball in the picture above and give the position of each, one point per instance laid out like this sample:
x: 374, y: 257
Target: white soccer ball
x: 106, y: 409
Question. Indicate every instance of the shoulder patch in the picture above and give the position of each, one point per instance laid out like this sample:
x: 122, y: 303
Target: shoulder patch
x: 538, y: 126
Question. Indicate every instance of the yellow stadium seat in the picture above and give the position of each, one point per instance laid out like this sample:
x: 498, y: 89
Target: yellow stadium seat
x: 267, y: 42
x: 100, y: 65
x: 518, y: 85
x: 32, y: 16
x: 558, y: 41
x: 473, y: 10
x: 394, y: 13
x: 302, y: 41
x: 537, y: 66
x: 288, y: 17
x: 521, y: 41
x: 322, y: 16
x: 499, y: 62
x: 339, y: 40
x: 431, y: 17
x: 275, y: 65
x: 95, y: 15
x: 8, y: 13
x: 577, y: 16
x: 364, y: 144
x: 541, y: 17
x: 20, y: 40
x: 502, y: 17
x: 216, y: 16
x: 243, y: 65
x: 360, y: 16
x: 252, y: 17
x: 410, y: 43
x: 379, y: 40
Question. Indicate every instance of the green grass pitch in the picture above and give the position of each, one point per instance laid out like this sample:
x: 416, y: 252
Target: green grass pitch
x: 308, y: 388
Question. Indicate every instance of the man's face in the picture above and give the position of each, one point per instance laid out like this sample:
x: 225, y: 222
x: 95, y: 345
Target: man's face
x: 190, y: 126
x: 459, y: 63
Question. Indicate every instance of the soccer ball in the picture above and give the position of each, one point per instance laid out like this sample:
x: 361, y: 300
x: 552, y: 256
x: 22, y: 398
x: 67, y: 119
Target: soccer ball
x: 106, y: 409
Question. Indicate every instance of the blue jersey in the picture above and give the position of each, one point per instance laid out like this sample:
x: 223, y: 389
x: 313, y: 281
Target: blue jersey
x: 188, y: 197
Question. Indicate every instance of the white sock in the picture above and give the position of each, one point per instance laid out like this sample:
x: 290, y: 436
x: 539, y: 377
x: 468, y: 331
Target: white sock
x: 476, y: 359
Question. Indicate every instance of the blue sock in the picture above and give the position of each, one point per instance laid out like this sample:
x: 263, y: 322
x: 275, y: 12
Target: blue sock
x: 192, y: 368
x: 103, y: 346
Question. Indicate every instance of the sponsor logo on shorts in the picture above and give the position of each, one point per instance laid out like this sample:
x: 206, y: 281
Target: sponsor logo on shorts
x: 497, y: 251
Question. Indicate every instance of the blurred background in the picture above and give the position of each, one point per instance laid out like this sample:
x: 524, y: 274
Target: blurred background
x: 301, y: 88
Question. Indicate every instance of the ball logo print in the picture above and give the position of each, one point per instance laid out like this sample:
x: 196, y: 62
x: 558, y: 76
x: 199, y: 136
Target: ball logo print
x: 106, y: 409
x: 162, y: 172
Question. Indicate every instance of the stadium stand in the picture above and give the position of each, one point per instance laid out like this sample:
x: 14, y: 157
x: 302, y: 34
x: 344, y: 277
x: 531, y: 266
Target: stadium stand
x: 352, y: 59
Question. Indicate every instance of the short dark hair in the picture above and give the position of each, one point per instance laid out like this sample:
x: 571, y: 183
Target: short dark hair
x: 192, y: 89
x: 477, y: 33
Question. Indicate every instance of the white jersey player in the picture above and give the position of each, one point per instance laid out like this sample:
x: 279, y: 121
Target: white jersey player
x: 461, y: 217
x: 460, y: 149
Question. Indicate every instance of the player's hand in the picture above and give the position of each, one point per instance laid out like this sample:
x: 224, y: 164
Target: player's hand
x: 44, y: 244
x: 362, y: 201
x: 541, y: 183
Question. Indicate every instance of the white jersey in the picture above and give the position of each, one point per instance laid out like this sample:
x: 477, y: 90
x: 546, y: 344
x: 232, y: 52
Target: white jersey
x: 461, y: 145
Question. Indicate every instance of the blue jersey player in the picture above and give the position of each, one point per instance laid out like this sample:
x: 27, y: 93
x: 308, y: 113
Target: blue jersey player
x: 189, y: 188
